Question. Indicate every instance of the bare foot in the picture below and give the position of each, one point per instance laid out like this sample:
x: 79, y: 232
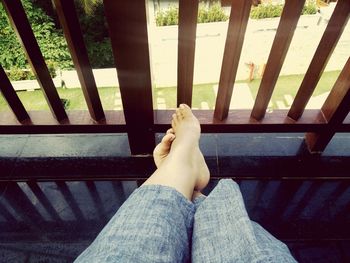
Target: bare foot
x: 163, y: 148
x: 184, y: 167
x: 187, y: 132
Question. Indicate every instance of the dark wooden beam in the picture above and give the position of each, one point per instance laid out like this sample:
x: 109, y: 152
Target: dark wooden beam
x: 285, y: 31
x: 241, y: 121
x: 237, y: 121
x: 234, y: 41
x: 128, y: 31
x: 71, y: 28
x: 79, y: 122
x: 21, y: 26
x: 11, y: 97
x: 320, y: 59
x: 188, y: 12
x: 335, y: 109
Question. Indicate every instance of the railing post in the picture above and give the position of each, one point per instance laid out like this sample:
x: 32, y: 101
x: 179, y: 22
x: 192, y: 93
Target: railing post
x: 127, y: 25
x: 335, y: 109
x: 285, y: 31
x: 188, y: 12
x: 233, y: 47
x: 70, y: 24
x: 319, y: 61
x: 11, y: 97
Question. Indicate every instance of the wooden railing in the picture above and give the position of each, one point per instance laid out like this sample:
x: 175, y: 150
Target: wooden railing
x: 127, y: 25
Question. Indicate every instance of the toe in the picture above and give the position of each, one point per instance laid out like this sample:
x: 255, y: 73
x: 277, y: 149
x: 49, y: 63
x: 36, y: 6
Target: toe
x: 167, y: 139
x: 174, y: 124
x: 178, y: 113
x: 185, y: 110
x: 170, y: 131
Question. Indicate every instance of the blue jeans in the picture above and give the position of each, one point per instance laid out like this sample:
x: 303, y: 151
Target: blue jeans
x: 158, y: 224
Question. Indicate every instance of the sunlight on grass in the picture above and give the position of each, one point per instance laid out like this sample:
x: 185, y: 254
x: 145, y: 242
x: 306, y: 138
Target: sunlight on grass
x: 166, y: 96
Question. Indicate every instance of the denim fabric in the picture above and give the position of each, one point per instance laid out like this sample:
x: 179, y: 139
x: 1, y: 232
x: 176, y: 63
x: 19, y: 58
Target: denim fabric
x: 158, y: 224
x: 223, y: 232
x: 153, y: 225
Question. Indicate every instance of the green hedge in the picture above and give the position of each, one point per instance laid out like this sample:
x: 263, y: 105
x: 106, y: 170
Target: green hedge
x: 16, y: 73
x: 215, y: 13
x: 269, y: 10
x: 170, y: 16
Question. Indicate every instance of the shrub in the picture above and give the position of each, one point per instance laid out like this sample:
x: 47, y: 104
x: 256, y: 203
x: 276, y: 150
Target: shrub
x: 212, y: 14
x: 266, y: 11
x: 19, y: 74
x: 16, y: 73
x: 310, y: 8
x: 270, y: 10
x: 65, y: 103
x: 168, y: 17
x: 205, y: 15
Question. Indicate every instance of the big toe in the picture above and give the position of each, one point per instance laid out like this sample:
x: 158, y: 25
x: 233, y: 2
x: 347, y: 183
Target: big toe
x: 185, y: 110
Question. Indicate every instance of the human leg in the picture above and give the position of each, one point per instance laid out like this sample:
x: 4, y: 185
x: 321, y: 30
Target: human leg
x: 155, y: 223
x: 223, y: 232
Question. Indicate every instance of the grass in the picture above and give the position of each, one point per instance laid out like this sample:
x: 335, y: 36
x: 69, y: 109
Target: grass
x: 290, y: 84
x: 34, y: 100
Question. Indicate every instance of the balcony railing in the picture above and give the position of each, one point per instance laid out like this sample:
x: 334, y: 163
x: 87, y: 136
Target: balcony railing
x: 64, y: 194
x: 127, y: 25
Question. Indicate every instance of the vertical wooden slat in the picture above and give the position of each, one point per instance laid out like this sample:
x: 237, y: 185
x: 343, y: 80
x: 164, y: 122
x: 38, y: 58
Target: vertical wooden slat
x: 188, y: 13
x: 259, y: 192
x: 127, y: 25
x: 332, y: 199
x: 68, y: 196
x: 11, y: 97
x: 281, y: 199
x: 22, y: 205
x: 20, y: 24
x: 96, y: 199
x: 285, y: 31
x: 44, y: 201
x: 305, y: 200
x: 70, y: 24
x: 7, y: 215
x: 320, y: 59
x: 234, y: 41
x: 335, y: 109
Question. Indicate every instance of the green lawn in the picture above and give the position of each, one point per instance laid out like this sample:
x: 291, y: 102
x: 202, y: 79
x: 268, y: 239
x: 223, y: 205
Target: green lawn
x: 34, y: 100
x: 290, y: 84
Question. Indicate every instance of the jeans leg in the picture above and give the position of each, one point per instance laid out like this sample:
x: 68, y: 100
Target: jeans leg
x: 223, y: 232
x: 153, y: 225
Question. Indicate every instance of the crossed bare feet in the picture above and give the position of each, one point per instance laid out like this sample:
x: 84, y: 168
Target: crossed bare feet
x: 182, y: 141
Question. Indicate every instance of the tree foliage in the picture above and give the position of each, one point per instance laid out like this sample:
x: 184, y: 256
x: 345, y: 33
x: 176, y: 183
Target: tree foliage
x: 51, y: 41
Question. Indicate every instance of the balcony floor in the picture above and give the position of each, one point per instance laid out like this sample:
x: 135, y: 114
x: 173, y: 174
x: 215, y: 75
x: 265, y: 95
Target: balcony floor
x: 55, y: 219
